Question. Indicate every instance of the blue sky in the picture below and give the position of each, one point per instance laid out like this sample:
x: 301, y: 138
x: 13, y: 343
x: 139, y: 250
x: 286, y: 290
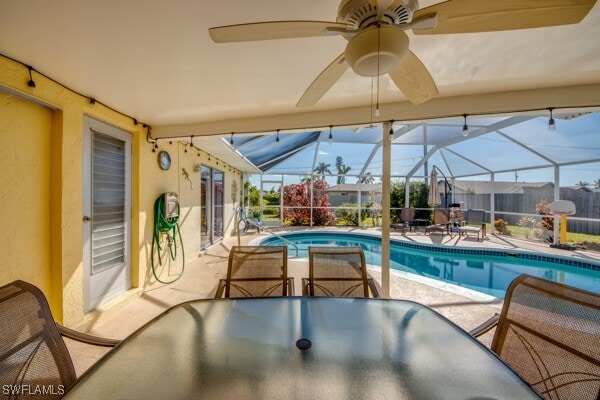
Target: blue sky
x: 574, y: 140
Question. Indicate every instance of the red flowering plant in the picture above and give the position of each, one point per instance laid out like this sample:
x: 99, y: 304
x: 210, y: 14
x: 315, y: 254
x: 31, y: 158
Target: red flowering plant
x: 296, y: 201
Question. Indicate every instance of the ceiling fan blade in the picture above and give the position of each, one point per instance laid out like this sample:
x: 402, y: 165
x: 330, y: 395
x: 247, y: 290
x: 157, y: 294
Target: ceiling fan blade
x: 324, y: 82
x: 466, y: 16
x: 275, y: 30
x: 413, y: 79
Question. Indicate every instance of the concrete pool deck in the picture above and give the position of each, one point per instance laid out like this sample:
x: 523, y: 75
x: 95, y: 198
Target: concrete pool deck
x: 464, y: 307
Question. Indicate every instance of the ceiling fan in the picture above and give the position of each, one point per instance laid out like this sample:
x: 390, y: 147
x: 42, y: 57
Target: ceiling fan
x: 377, y: 43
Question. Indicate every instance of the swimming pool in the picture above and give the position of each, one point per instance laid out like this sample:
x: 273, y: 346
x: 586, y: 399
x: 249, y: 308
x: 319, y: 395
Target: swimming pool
x: 487, y: 271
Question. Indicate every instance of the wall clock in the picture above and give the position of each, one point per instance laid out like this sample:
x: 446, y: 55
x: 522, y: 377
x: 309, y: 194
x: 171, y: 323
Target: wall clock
x: 164, y: 160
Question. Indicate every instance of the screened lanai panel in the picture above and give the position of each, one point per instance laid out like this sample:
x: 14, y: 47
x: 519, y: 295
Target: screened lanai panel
x: 414, y: 135
x: 497, y: 153
x: 267, y: 152
x: 431, y: 134
x: 585, y: 174
x: 529, y: 175
x: 366, y: 134
x: 574, y: 140
x: 498, y: 144
x: 443, y: 132
x: 239, y: 141
x: 354, y: 155
x: 404, y: 158
x: 453, y: 165
x: 299, y: 163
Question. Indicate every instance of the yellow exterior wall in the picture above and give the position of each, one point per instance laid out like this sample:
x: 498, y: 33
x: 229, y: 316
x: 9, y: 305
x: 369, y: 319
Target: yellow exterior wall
x: 187, y: 186
x: 43, y: 151
x: 25, y: 191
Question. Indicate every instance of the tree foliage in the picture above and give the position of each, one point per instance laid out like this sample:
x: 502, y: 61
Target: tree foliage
x: 347, y: 214
x: 322, y: 169
x: 298, y: 195
x: 366, y: 178
x: 342, y: 170
x: 584, y: 186
x: 252, y: 195
x: 419, y: 192
x: 272, y: 198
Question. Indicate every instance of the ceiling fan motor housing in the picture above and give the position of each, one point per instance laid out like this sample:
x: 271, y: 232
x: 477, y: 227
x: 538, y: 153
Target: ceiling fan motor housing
x: 376, y: 51
x: 362, y: 13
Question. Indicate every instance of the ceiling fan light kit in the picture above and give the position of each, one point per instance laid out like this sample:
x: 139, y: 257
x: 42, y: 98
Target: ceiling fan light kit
x: 378, y: 45
x: 376, y: 51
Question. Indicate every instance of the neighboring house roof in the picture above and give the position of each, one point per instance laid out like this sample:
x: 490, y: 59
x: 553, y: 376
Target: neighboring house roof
x: 580, y: 189
x: 483, y: 187
x: 353, y: 187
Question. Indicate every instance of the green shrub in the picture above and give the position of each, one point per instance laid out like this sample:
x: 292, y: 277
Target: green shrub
x: 528, y: 224
x: 273, y: 211
x: 255, y: 212
x: 347, y: 214
x: 501, y: 226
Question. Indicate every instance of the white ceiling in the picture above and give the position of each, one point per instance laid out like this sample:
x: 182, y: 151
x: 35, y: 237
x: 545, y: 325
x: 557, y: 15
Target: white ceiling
x: 154, y: 60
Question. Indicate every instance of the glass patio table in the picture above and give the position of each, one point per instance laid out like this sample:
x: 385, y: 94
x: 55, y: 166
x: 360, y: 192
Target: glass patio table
x: 302, y: 348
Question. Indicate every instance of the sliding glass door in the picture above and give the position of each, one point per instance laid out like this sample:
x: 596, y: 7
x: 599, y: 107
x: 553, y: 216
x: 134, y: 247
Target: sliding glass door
x: 211, y: 206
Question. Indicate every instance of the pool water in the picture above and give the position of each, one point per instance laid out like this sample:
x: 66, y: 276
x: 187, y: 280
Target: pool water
x: 487, y: 271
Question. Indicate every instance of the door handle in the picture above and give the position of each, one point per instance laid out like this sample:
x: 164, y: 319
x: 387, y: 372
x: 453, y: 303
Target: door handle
x: 87, y: 219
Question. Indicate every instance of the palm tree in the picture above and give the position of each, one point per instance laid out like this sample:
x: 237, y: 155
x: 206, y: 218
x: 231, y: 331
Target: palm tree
x: 322, y: 169
x: 342, y: 171
x: 366, y: 178
x: 584, y: 186
x: 309, y: 178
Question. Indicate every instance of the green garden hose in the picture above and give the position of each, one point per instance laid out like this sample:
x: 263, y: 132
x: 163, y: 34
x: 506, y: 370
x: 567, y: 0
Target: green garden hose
x: 170, y: 227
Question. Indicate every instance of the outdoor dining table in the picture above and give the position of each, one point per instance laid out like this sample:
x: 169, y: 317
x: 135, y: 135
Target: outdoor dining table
x: 300, y: 348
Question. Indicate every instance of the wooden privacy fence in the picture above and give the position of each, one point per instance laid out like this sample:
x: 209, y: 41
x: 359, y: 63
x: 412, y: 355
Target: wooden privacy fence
x: 587, y: 205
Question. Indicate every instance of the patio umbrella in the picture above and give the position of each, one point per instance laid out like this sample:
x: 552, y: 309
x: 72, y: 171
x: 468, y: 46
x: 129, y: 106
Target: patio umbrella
x: 434, y: 190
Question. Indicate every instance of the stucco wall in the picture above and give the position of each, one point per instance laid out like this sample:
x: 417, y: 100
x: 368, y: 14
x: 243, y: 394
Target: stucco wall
x: 25, y: 191
x: 42, y: 156
x: 183, y: 180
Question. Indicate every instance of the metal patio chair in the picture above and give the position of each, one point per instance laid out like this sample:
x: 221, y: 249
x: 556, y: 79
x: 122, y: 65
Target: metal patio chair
x: 441, y: 221
x: 407, y: 217
x: 32, y: 351
x: 339, y: 272
x: 256, y: 271
x: 549, y: 333
x: 474, y: 223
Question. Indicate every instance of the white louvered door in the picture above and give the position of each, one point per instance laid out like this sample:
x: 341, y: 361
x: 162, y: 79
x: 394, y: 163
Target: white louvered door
x: 107, y: 216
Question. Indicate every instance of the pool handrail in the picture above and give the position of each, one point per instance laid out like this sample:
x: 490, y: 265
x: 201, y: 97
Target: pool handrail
x: 252, y: 222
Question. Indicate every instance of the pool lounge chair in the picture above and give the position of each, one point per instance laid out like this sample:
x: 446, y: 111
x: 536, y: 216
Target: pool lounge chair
x: 256, y: 271
x: 33, y: 353
x: 549, y: 333
x: 441, y: 222
x: 248, y: 222
x: 407, y: 216
x: 474, y: 223
x: 338, y: 272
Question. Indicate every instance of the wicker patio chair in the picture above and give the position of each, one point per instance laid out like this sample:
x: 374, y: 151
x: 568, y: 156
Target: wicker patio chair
x: 441, y: 221
x: 338, y: 271
x: 32, y: 351
x: 549, y: 333
x: 256, y: 271
x: 474, y: 223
